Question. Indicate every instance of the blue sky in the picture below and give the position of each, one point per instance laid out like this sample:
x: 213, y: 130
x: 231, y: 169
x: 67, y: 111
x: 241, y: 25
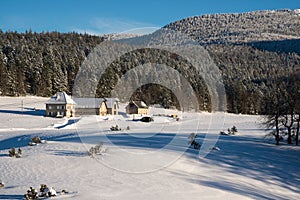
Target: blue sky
x: 112, y: 16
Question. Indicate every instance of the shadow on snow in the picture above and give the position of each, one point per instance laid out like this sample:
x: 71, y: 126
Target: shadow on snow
x: 30, y: 112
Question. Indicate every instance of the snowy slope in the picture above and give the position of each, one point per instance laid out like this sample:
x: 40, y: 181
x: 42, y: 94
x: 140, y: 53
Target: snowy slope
x: 149, y: 161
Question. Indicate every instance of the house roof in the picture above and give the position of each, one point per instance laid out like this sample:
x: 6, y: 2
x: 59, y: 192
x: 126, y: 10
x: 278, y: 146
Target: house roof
x: 110, y: 102
x: 94, y: 102
x: 60, y: 98
x: 139, y: 104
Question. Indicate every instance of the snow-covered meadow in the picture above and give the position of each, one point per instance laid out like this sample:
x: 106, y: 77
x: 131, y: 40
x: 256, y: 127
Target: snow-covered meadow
x: 148, y: 161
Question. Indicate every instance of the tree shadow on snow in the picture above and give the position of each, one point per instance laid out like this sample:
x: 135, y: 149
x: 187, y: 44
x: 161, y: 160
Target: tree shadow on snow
x: 11, y: 196
x: 14, y: 142
x: 251, y: 158
x: 68, y: 153
x: 30, y: 112
x: 70, y: 122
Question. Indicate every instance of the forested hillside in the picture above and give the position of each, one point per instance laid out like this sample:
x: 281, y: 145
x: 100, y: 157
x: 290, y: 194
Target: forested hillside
x: 41, y: 64
x: 252, y: 50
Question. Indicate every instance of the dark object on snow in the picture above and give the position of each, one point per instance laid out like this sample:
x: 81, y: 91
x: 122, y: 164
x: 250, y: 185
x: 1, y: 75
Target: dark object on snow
x: 64, y: 192
x: 147, y: 119
x: 97, y: 150
x: 1, y: 184
x: 193, y: 142
x: 36, y: 139
x: 43, y: 190
x: 19, y: 152
x: 232, y: 131
x: 31, y: 194
x: 115, y: 128
x: 12, y: 152
x: 195, y: 145
x: 223, y: 133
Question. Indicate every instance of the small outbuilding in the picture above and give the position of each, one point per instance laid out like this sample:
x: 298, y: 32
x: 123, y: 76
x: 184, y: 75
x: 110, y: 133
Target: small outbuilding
x: 137, y: 107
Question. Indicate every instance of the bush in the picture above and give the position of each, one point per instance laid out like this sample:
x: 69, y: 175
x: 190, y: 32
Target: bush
x: 12, y: 152
x: 45, y: 191
x: 232, y: 131
x: 97, y: 150
x: 115, y: 128
x: 31, y: 194
x: 36, y: 140
x: 1, y: 184
x: 192, y: 141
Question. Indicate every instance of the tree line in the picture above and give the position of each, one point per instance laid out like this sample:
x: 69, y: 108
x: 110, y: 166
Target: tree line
x: 283, y: 105
x: 41, y: 63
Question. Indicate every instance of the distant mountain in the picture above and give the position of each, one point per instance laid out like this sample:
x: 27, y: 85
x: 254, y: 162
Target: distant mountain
x: 242, y: 27
x: 251, y: 50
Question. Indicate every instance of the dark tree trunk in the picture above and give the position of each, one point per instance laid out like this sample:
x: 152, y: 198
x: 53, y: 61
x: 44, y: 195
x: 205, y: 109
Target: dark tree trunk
x: 297, y: 132
x: 277, y: 132
x: 289, y: 140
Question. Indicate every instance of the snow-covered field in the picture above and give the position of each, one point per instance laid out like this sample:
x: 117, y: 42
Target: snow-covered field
x: 148, y: 161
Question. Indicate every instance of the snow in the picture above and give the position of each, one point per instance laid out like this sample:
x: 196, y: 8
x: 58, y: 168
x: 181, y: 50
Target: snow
x: 149, y: 161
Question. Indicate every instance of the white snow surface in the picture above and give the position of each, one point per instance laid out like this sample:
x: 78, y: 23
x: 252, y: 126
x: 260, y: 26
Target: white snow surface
x: 149, y: 161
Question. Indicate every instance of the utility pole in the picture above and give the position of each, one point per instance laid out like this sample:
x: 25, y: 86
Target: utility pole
x: 22, y: 106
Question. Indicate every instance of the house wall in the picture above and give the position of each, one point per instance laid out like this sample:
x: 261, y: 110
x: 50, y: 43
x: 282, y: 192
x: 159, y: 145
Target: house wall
x: 87, y: 111
x: 70, y: 110
x: 143, y: 111
x: 55, y: 110
x: 132, y: 110
x: 63, y: 110
x: 114, y: 110
x: 103, y: 109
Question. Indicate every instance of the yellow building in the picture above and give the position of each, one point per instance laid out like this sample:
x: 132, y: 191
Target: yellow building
x: 137, y: 107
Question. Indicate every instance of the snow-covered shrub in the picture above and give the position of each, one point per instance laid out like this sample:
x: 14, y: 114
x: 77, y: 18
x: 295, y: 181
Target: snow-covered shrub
x: 192, y: 141
x: 232, y: 131
x: 45, y: 191
x: 12, y: 152
x: 115, y: 128
x: 97, y: 150
x: 31, y: 194
x: 19, y: 152
x: 36, y: 140
x: 1, y: 184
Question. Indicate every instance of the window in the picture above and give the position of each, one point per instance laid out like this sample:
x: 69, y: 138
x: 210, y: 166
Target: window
x: 49, y: 107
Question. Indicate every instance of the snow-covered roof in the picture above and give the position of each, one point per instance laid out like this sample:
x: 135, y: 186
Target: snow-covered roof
x: 60, y: 98
x: 110, y: 102
x: 94, y: 102
x: 139, y: 104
